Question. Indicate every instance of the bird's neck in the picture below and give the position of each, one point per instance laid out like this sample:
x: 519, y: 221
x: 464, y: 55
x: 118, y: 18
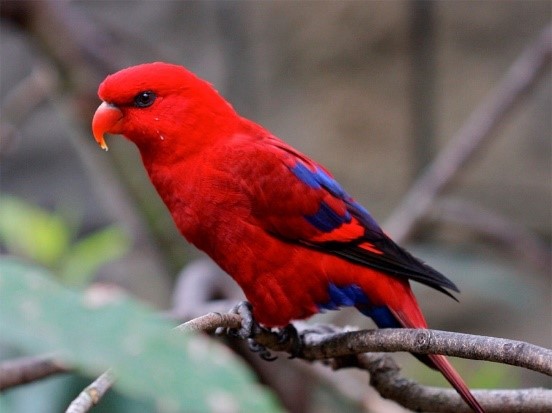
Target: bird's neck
x: 179, y: 171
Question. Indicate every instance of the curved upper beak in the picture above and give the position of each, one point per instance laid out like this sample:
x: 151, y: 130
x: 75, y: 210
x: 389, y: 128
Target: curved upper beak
x: 107, y: 119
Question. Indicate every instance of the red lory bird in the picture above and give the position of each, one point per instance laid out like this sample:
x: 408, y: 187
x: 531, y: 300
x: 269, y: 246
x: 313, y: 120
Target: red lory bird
x: 272, y: 218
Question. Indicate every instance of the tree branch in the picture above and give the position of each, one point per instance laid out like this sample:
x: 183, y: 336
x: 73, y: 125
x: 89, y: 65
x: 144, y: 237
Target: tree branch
x: 92, y: 394
x: 479, y: 127
x: 28, y: 369
x: 515, y: 237
x: 325, y: 342
x: 386, y: 379
x: 498, y: 350
x: 208, y: 323
x: 342, y: 349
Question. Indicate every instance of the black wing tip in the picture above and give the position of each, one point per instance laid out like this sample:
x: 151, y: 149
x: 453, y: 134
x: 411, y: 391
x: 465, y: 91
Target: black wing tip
x: 429, y: 276
x: 433, y: 279
x: 398, y: 263
x: 446, y: 292
x: 418, y: 270
x: 437, y: 277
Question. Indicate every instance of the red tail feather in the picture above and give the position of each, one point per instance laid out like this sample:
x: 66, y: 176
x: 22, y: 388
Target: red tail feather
x: 452, y: 376
x: 410, y: 316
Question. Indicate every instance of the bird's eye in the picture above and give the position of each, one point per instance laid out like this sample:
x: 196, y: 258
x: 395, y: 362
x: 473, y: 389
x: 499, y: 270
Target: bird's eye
x: 144, y: 99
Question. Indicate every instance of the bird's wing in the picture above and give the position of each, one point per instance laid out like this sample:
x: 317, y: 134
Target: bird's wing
x: 300, y: 202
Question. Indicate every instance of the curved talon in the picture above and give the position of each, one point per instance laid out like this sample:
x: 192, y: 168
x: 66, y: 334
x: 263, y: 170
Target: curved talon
x: 289, y: 334
x: 267, y: 356
x: 263, y: 352
x: 255, y: 347
x: 249, y: 328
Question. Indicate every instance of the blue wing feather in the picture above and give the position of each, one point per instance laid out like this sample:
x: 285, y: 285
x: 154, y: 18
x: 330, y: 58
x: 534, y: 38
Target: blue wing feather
x: 391, y: 258
x: 352, y: 295
x: 326, y: 219
x: 319, y: 179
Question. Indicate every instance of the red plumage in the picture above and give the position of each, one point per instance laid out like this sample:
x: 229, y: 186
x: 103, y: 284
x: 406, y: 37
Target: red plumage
x: 273, y: 219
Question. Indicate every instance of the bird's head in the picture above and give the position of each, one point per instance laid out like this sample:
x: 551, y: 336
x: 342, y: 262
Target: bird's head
x: 159, y: 105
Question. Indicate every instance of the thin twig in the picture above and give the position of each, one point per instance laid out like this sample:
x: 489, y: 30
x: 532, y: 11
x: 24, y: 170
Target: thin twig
x: 479, y: 127
x: 24, y: 370
x: 208, y: 323
x: 21, y: 100
x: 24, y: 97
x: 422, y: 341
x: 516, y: 237
x: 334, y: 342
x: 386, y: 379
x: 92, y: 394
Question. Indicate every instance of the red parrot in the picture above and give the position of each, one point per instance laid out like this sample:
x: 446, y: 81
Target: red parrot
x: 275, y: 220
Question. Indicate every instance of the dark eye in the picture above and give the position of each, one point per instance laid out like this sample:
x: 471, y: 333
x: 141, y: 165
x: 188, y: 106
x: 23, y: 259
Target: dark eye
x: 144, y: 99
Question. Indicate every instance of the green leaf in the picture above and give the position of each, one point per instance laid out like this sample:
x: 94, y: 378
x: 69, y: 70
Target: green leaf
x: 31, y: 232
x: 179, y: 372
x: 85, y: 257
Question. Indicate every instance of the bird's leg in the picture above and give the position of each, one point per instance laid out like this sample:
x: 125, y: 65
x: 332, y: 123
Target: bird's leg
x: 248, y: 330
x: 289, y: 334
x: 248, y: 323
x: 261, y: 350
x: 287, y: 337
x: 249, y: 327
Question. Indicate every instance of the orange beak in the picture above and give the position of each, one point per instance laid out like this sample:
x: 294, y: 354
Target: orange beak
x: 107, y: 119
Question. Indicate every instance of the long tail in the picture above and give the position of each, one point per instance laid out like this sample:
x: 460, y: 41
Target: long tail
x: 434, y: 361
x: 410, y: 316
x: 452, y: 376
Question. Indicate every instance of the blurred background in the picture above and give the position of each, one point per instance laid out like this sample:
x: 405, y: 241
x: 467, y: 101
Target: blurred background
x: 374, y: 90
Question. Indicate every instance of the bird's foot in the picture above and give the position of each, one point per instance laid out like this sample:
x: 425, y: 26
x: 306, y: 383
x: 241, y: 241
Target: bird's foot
x: 290, y: 338
x: 287, y: 338
x: 249, y: 327
x: 261, y: 350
